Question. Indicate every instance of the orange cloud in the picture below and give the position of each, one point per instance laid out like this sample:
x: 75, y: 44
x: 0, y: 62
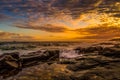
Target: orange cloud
x: 100, y: 32
x: 6, y: 36
x: 47, y: 27
x: 65, y: 19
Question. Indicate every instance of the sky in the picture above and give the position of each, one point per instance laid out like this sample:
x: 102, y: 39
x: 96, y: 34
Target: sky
x: 59, y: 20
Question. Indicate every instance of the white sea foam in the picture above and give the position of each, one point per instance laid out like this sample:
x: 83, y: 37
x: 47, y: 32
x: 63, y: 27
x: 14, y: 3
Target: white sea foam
x: 69, y: 54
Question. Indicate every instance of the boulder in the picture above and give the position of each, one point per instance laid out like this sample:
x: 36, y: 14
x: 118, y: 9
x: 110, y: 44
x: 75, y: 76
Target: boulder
x: 111, y: 52
x: 117, y: 45
x: 10, y: 60
x: 88, y: 49
x: 101, y: 74
x: 93, y: 49
x: 79, y: 50
x: 48, y: 55
x: 83, y: 65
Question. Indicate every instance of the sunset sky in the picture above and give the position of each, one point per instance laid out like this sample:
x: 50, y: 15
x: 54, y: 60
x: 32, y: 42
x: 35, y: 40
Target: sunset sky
x: 59, y: 20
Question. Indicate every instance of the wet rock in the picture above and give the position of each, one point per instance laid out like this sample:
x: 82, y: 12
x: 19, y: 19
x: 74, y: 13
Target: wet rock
x: 61, y: 76
x: 79, y: 50
x: 49, y: 55
x: 86, y: 63
x: 88, y: 49
x: 117, y: 45
x: 101, y: 74
x: 93, y: 49
x: 10, y: 64
x: 10, y: 60
x: 111, y: 52
x: 67, y: 61
x: 83, y: 64
x: 102, y: 66
x: 110, y: 71
x: 90, y: 66
x: 52, y: 54
x: 13, y: 62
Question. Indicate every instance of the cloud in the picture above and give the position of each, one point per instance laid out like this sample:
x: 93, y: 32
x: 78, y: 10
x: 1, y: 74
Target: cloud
x: 100, y: 32
x: 13, y: 36
x: 60, y: 16
x: 117, y: 15
x: 4, y: 17
x: 76, y: 7
x: 110, y: 7
x: 34, y: 9
x: 47, y: 27
x: 48, y: 7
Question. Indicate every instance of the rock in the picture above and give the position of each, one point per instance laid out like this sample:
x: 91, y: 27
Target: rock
x: 93, y: 49
x: 61, y: 77
x: 83, y: 64
x: 111, y: 52
x: 89, y: 63
x: 11, y: 60
x: 10, y: 64
x: 117, y: 45
x: 52, y: 54
x: 79, y: 50
x: 88, y: 49
x: 101, y: 74
x: 102, y: 66
x: 67, y: 61
x: 96, y: 64
x: 48, y: 55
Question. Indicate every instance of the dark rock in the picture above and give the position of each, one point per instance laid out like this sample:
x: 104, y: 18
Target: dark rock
x: 67, y: 61
x: 88, y: 49
x: 83, y: 64
x: 52, y: 54
x: 93, y: 49
x: 10, y: 64
x: 117, y: 45
x: 10, y: 60
x: 61, y: 77
x: 89, y: 63
x: 15, y: 61
x: 49, y: 55
x: 111, y: 52
x: 103, y: 74
x: 79, y: 49
x: 109, y: 72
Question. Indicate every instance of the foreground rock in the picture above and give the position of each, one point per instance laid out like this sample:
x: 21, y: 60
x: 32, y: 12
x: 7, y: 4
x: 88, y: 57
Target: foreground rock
x: 111, y: 52
x: 13, y: 62
x: 94, y: 64
x: 10, y: 60
x: 102, y: 66
x: 88, y: 49
x: 47, y: 56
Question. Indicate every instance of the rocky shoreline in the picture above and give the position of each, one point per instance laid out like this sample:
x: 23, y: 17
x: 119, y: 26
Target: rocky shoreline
x: 94, y: 63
